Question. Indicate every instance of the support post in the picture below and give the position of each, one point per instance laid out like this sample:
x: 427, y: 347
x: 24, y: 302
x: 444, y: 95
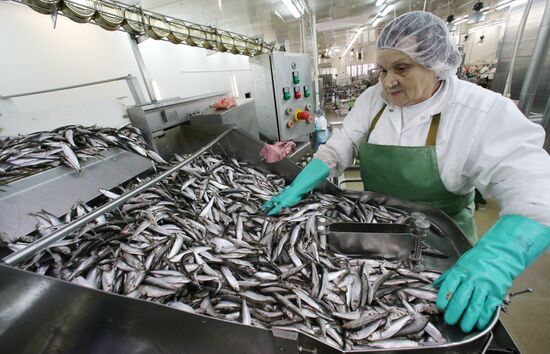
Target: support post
x: 313, y: 25
x: 142, y: 68
x: 532, y: 77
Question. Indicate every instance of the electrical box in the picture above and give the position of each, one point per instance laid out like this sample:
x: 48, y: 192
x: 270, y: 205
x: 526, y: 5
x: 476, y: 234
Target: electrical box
x: 282, y: 87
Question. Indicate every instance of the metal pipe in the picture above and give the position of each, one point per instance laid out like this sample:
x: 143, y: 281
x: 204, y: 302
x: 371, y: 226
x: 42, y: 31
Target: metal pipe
x: 46, y: 241
x: 68, y: 87
x: 142, y: 68
x: 532, y: 77
x: 546, y: 125
x: 315, y: 59
x: 519, y: 35
x: 302, y: 35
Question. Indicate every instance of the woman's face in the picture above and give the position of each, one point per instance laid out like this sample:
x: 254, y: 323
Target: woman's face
x: 404, y: 82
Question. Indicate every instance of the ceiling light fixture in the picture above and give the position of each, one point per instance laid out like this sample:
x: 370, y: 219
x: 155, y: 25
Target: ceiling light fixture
x: 386, y: 10
x: 460, y: 21
x: 477, y: 16
x: 508, y: 3
x: 292, y: 8
x: 450, y: 23
x: 496, y: 23
x: 357, y: 34
x: 504, y: 2
x: 379, y: 2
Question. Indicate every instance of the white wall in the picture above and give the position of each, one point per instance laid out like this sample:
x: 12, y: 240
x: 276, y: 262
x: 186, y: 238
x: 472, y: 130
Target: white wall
x: 482, y: 52
x: 187, y: 71
x: 36, y: 57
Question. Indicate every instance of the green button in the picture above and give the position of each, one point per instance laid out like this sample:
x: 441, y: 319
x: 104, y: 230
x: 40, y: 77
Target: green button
x: 295, y: 77
x: 307, y: 93
x: 287, y: 96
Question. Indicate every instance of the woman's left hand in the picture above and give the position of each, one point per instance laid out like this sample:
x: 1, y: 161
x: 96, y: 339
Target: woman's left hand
x: 473, y: 288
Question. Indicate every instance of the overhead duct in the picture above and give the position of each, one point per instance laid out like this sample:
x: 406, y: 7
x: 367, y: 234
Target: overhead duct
x: 114, y: 15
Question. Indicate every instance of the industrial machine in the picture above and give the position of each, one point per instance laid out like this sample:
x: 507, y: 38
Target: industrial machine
x: 283, y: 89
x: 243, y: 116
x: 160, y: 122
x: 50, y: 315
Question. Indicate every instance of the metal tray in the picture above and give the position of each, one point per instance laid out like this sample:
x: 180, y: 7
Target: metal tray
x: 46, y: 315
x: 391, y: 241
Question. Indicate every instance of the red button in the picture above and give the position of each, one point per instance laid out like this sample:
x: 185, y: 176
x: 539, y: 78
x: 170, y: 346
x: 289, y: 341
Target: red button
x: 304, y: 116
x: 297, y: 94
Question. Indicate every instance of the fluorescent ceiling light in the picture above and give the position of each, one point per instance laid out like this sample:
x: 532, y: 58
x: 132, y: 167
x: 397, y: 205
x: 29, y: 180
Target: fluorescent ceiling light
x: 292, y: 8
x: 460, y: 21
x: 386, y: 10
x: 471, y: 30
x: 476, y: 17
x: 508, y: 3
x: 505, y: 2
x: 376, y: 22
x: 357, y: 34
x: 379, y: 2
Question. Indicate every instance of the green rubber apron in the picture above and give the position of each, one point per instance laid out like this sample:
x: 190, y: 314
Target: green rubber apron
x: 410, y: 172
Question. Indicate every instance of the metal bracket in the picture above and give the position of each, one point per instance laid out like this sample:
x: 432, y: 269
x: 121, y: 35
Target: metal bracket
x: 508, y: 298
x: 135, y: 90
x: 285, y: 341
x: 419, y: 226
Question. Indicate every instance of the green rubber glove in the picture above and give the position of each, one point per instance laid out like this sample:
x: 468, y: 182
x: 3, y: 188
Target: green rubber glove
x: 311, y: 176
x: 476, y: 284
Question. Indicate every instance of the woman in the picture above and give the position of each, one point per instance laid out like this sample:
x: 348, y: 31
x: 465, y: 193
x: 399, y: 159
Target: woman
x: 424, y: 135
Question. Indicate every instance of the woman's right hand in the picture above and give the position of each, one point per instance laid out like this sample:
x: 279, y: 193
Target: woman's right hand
x: 311, y: 176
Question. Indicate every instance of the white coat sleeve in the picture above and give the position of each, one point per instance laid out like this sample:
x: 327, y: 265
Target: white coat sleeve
x: 339, y: 150
x: 507, y: 160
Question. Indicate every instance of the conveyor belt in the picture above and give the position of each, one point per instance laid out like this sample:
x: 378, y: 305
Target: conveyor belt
x: 58, y: 189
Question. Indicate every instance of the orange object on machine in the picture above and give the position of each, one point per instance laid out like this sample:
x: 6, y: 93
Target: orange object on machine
x: 225, y: 103
x: 302, y: 115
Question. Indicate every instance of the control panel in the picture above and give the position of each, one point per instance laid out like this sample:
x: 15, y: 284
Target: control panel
x: 284, y: 100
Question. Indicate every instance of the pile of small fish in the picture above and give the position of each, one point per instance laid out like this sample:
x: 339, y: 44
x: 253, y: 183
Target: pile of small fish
x: 71, y: 145
x: 199, y: 242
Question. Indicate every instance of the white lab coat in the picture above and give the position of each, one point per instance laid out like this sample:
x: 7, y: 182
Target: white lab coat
x: 483, y: 141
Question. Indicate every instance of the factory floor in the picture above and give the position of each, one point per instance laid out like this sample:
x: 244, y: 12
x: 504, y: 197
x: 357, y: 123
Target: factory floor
x: 528, y: 317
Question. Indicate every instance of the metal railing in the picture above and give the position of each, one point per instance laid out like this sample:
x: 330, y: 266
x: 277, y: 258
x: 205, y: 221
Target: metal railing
x: 131, y: 81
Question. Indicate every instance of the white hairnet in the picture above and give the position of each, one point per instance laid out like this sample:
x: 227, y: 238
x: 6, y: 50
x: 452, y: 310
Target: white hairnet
x: 425, y: 38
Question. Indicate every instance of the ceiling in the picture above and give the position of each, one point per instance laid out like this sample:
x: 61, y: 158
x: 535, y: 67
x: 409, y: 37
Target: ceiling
x: 337, y: 20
